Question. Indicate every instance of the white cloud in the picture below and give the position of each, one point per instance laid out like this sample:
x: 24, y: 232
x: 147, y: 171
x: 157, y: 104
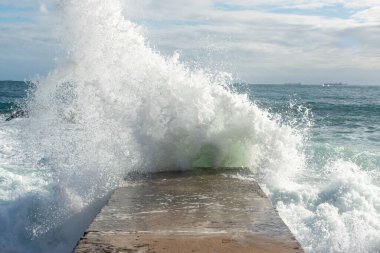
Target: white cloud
x: 264, y: 46
x: 43, y: 8
x: 256, y: 43
x: 304, y: 4
x: 369, y: 16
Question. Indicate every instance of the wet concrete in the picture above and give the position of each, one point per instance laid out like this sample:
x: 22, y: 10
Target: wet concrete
x: 198, y: 211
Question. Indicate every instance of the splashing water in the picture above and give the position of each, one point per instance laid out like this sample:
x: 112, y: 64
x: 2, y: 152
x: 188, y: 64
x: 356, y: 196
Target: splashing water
x: 140, y: 110
x: 116, y: 106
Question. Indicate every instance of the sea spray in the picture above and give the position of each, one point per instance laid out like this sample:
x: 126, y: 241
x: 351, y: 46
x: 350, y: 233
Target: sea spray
x: 116, y: 105
x: 153, y: 109
x: 335, y: 212
x: 331, y: 204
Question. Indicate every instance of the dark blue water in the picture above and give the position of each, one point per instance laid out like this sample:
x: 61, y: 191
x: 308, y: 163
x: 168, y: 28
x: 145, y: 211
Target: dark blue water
x: 11, y: 95
x: 338, y: 114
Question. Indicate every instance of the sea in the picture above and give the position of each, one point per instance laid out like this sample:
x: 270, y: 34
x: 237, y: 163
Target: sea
x: 117, y: 105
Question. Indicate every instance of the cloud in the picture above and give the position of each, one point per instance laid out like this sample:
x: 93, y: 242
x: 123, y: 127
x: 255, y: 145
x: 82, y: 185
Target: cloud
x: 303, y: 4
x: 259, y: 41
x: 27, y: 41
x: 262, y: 41
x: 369, y: 16
x: 43, y: 8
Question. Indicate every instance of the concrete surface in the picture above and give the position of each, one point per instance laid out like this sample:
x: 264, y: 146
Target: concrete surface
x: 197, y: 211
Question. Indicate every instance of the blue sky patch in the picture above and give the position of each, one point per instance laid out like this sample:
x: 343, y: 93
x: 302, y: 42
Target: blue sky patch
x: 4, y: 8
x: 331, y: 11
x: 232, y: 7
x: 14, y: 20
x: 165, y: 23
x: 11, y: 14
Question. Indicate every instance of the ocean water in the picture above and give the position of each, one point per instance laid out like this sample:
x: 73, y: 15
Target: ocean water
x: 116, y: 105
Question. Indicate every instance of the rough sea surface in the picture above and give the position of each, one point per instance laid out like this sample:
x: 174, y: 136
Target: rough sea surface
x: 116, y: 105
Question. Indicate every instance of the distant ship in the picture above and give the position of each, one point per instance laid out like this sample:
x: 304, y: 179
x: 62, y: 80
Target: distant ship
x: 333, y: 84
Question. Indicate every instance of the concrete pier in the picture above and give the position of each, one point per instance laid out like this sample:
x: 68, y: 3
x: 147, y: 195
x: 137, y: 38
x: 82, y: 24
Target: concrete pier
x: 197, y: 211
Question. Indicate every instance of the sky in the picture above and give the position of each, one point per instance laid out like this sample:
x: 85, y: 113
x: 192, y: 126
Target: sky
x: 258, y: 41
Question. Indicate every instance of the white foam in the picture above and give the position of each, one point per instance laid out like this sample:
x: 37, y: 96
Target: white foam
x: 116, y: 105
x: 339, y: 212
